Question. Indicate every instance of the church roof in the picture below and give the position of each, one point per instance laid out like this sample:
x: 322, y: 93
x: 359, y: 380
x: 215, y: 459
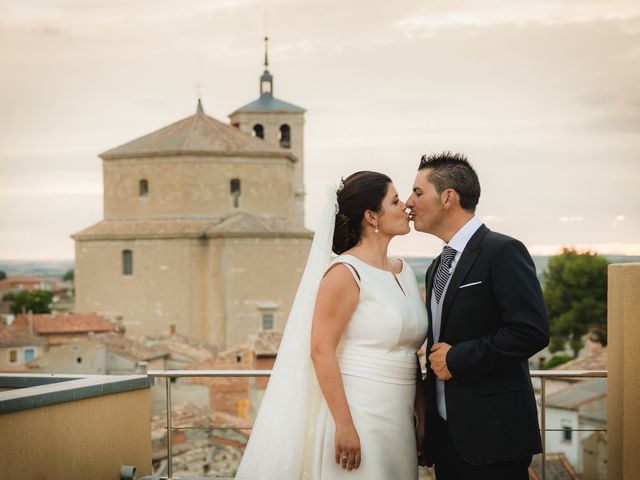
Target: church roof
x: 198, y: 134
x: 267, y: 102
x: 239, y: 224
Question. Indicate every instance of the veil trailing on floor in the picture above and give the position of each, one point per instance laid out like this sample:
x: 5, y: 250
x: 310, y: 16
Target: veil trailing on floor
x: 281, y: 445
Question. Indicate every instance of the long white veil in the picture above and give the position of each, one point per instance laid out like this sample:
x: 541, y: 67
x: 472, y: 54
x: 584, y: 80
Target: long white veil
x: 281, y: 444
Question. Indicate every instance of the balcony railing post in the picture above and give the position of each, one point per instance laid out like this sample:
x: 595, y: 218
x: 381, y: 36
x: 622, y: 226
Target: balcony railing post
x: 543, y: 419
x: 169, y: 430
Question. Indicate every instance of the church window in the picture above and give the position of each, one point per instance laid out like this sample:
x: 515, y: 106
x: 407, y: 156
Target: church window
x: 258, y: 130
x: 144, y: 188
x: 234, y: 187
x: 285, y: 136
x: 127, y: 262
x: 267, y: 321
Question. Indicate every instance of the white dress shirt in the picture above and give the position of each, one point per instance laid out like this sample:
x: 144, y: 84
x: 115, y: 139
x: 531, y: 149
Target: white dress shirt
x: 458, y: 242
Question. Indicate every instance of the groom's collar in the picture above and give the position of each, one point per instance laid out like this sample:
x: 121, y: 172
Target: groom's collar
x: 461, y: 238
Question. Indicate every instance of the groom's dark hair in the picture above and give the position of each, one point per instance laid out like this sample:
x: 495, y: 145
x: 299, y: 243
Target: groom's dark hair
x: 453, y: 170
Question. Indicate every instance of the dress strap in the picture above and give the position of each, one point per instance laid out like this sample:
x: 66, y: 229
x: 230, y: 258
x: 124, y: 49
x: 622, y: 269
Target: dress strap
x: 351, y: 268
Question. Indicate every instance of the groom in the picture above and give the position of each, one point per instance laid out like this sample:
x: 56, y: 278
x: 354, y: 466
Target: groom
x: 487, y: 317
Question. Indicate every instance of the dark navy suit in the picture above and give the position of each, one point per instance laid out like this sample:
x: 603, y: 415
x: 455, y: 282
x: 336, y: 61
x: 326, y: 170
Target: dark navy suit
x: 494, y: 327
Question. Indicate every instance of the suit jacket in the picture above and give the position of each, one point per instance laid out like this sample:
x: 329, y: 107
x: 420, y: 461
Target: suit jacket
x: 493, y: 326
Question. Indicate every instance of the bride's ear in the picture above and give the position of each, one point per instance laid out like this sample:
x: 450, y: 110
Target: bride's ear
x: 371, y: 218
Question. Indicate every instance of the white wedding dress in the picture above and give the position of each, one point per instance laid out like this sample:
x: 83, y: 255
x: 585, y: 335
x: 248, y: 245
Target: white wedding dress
x: 377, y: 357
x: 293, y: 434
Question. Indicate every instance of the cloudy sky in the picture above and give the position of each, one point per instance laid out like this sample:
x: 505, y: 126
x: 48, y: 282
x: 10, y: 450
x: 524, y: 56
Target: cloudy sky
x: 543, y: 96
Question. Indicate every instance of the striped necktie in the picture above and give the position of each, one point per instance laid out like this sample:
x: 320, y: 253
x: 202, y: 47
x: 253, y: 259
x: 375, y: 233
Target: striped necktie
x: 444, y: 272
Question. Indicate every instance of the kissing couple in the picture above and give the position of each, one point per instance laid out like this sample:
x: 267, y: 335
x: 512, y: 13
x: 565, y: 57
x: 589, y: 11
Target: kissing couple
x: 347, y: 398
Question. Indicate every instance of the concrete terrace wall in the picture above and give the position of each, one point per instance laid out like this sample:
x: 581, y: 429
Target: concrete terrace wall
x: 88, y: 438
x: 623, y: 442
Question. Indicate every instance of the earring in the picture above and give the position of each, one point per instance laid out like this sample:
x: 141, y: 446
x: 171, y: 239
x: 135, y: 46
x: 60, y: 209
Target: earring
x: 376, y: 230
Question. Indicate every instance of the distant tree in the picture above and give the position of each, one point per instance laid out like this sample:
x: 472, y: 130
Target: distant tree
x: 69, y: 276
x: 38, y: 301
x: 555, y: 361
x: 575, y: 292
x: 3, y: 275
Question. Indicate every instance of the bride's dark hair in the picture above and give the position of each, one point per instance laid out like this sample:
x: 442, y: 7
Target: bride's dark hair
x: 358, y: 193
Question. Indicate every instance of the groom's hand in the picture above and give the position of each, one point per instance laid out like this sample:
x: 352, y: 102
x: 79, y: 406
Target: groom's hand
x: 438, y: 360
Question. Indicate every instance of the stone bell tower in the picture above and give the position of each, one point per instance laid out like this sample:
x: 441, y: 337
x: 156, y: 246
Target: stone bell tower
x: 279, y: 123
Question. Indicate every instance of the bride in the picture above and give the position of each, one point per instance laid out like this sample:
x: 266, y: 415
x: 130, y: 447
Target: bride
x: 340, y: 400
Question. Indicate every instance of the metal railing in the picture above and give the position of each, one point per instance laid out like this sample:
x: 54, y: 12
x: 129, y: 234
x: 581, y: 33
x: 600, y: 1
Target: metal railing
x: 543, y: 375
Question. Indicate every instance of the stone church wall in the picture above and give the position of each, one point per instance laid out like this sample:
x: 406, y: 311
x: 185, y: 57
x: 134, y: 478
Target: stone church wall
x: 196, y: 186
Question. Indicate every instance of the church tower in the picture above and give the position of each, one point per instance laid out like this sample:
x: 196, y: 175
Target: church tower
x: 279, y: 123
x: 200, y: 231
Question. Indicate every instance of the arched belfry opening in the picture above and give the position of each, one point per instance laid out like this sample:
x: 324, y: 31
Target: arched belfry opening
x: 258, y: 130
x: 285, y: 136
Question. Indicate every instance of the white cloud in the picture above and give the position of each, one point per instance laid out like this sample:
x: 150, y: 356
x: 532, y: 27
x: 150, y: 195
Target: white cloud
x: 573, y: 219
x: 486, y: 14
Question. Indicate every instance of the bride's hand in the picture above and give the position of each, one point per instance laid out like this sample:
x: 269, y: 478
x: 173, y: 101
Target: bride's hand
x: 347, y: 447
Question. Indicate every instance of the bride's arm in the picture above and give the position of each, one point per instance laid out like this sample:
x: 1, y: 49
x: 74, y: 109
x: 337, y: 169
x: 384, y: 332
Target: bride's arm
x: 336, y: 301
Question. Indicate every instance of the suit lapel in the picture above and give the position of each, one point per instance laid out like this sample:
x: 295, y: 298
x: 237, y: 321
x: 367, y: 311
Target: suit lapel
x: 466, y: 261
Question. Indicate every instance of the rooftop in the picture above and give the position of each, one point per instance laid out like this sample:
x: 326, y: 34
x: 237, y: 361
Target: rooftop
x: 557, y: 468
x: 237, y: 224
x: 132, y: 349
x: 594, y: 359
x: 574, y: 396
x: 44, y: 324
x: 267, y: 102
x: 12, y: 336
x: 182, y: 346
x: 198, y: 134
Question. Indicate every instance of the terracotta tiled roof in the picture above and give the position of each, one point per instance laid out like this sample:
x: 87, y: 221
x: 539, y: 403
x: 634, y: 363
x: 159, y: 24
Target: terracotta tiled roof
x: 594, y: 359
x: 128, y: 347
x: 181, y: 345
x: 67, y: 323
x: 557, y: 467
x: 198, y: 134
x: 11, y: 283
x: 576, y: 395
x: 17, y: 336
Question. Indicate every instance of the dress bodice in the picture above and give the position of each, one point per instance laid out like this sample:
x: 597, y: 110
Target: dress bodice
x: 387, y: 327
